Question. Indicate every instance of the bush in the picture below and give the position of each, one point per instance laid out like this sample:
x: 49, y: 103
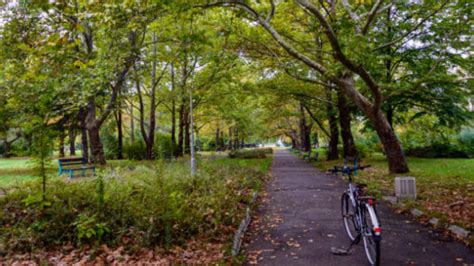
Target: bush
x: 266, y: 150
x: 110, y: 142
x: 438, y: 150
x: 466, y: 141
x: 135, y: 151
x: 163, y: 147
x: 160, y: 205
x: 363, y: 150
x: 248, y: 154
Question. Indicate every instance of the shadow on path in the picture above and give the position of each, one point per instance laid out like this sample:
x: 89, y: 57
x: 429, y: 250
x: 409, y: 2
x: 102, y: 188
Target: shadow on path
x: 299, y: 220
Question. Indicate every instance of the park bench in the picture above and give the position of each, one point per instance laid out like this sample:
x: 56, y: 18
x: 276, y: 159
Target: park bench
x: 71, y: 165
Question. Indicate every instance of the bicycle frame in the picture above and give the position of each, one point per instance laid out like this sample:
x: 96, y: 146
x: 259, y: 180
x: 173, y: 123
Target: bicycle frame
x: 352, y: 191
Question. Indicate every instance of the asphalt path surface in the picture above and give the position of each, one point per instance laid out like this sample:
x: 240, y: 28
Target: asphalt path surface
x: 299, y: 220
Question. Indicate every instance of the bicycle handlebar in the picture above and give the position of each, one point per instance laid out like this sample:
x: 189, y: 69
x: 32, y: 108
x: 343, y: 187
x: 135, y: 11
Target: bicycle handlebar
x: 346, y: 169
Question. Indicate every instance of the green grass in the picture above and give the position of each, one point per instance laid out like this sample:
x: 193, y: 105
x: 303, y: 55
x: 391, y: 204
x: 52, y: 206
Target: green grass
x: 440, y: 184
x: 15, y: 171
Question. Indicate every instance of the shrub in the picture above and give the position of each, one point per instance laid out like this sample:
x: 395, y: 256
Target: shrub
x: 160, y: 205
x: 363, y: 150
x: 267, y: 150
x: 163, y: 146
x: 110, y: 142
x: 438, y: 150
x: 466, y: 141
x: 248, y: 154
x: 135, y: 151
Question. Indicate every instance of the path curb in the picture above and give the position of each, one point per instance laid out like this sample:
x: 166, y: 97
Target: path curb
x: 244, y: 224
x: 455, y: 230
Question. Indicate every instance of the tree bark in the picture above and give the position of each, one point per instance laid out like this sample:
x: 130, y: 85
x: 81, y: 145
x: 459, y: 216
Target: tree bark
x: 84, y: 140
x: 72, y: 140
x: 173, y: 126
x: 6, y: 148
x: 97, y: 149
x: 236, y: 139
x: 187, y: 134
x: 62, y: 137
x: 396, y: 158
x: 93, y: 129
x: 305, y: 131
x: 179, y: 150
x: 119, y: 135
x: 217, y: 138
x: 132, y: 125
x: 333, y: 129
x: 231, y: 145
x: 350, y: 150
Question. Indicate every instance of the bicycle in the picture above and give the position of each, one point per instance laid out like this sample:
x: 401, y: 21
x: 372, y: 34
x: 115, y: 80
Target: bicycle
x: 359, y: 216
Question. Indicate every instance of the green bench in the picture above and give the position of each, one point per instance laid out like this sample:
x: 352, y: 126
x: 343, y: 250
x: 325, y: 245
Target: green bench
x: 71, y: 165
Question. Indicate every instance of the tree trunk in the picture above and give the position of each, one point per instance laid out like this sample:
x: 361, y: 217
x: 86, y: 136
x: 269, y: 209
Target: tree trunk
x: 390, y: 115
x: 217, y: 138
x: 132, y: 125
x: 6, y: 148
x: 119, y: 135
x: 236, y: 139
x: 173, y: 126
x: 305, y: 131
x: 97, y: 150
x: 62, y: 136
x: 187, y: 134
x: 333, y: 129
x: 392, y: 147
x: 93, y: 129
x: 84, y: 141
x: 72, y: 140
x: 231, y: 145
x: 350, y: 150
x: 179, y: 150
x: 391, y: 144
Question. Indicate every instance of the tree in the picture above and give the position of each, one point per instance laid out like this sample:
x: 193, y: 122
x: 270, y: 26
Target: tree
x: 339, y: 42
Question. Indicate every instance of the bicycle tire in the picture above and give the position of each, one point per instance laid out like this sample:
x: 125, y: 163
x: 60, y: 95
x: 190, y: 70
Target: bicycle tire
x: 348, y: 216
x: 371, y: 241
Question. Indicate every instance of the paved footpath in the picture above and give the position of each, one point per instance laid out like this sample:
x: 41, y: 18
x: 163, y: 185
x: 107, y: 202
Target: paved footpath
x: 299, y: 220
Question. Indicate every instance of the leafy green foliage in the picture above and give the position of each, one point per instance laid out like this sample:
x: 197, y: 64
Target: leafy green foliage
x: 438, y: 150
x: 135, y: 205
x: 250, y: 154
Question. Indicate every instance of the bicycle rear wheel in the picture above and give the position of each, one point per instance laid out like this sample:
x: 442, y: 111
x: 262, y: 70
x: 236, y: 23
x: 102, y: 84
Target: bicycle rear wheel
x: 348, y: 216
x: 371, y: 241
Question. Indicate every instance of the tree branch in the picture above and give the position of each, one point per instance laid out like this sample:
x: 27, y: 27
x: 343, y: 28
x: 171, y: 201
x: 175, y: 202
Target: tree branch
x: 371, y: 16
x: 383, y: 46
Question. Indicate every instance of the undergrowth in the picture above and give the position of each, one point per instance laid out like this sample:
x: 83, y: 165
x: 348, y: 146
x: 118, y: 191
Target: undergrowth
x: 149, y: 205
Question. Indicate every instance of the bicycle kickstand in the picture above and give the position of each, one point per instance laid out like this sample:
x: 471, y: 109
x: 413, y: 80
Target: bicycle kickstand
x: 341, y: 251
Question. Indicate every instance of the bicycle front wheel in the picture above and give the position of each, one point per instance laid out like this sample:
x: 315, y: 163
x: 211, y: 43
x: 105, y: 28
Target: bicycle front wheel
x: 348, y: 216
x: 371, y: 241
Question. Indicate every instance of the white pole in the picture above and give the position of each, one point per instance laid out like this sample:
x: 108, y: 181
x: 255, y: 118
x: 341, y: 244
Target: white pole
x: 191, y: 118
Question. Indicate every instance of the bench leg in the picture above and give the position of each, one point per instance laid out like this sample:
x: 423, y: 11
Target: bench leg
x: 70, y: 174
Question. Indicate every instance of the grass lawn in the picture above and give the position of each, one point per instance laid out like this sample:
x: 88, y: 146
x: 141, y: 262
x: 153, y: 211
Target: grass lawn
x: 445, y: 187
